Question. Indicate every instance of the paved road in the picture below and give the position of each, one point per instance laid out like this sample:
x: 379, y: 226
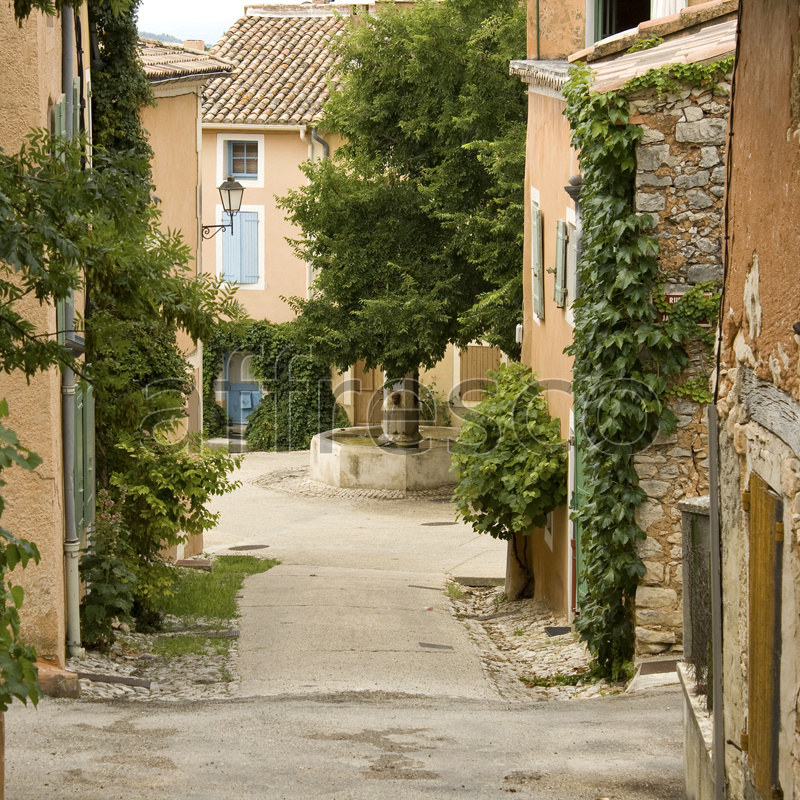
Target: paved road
x: 351, y: 687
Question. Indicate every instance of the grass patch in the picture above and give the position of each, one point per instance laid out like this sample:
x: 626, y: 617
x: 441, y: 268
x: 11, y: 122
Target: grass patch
x: 518, y: 631
x: 213, y: 594
x: 454, y: 590
x: 173, y: 646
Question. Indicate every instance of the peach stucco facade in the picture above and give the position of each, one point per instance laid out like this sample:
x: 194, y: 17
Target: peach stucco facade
x: 282, y: 149
x: 35, y: 501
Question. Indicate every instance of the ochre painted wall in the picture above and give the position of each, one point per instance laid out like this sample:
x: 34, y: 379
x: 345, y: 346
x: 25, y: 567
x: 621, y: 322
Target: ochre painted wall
x: 561, y: 25
x: 550, y: 164
x: 34, y: 501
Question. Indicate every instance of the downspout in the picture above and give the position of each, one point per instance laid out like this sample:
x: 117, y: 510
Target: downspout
x: 71, y: 541
x: 306, y: 141
x: 326, y: 150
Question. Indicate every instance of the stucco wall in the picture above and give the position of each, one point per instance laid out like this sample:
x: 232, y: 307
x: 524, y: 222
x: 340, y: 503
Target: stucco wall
x: 762, y: 302
x: 550, y: 162
x: 561, y: 25
x: 281, y: 273
x: 34, y: 502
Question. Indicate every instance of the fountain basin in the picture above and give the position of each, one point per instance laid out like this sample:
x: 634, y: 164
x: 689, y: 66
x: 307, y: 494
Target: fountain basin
x: 354, y: 458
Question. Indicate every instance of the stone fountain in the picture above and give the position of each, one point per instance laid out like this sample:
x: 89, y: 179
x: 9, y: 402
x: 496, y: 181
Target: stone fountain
x: 399, y: 454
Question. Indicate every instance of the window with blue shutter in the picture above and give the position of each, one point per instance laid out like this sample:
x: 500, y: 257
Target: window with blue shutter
x: 240, y: 250
x: 243, y: 159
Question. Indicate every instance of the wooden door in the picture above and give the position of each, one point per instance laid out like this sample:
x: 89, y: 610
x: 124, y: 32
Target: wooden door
x: 763, y: 703
x: 475, y: 361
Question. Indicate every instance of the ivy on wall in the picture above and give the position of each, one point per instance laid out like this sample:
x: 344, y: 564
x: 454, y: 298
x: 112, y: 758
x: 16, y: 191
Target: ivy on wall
x: 628, y: 355
x: 297, y: 400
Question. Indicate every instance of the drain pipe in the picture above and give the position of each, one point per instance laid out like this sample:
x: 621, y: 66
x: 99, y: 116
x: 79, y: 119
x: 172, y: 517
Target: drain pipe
x: 71, y: 541
x: 326, y: 150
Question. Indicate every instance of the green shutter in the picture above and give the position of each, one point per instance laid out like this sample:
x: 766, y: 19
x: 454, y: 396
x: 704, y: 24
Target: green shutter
x: 88, y: 458
x: 78, y: 461
x: 76, y: 107
x: 537, y: 265
x: 572, y: 264
x: 560, y: 290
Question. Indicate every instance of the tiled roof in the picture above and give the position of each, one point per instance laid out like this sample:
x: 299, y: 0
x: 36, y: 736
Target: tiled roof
x: 707, y: 45
x: 282, y: 63
x: 674, y: 25
x: 548, y: 75
x: 168, y: 62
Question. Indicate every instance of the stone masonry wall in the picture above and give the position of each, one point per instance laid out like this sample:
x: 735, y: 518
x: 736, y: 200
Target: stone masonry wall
x: 680, y: 181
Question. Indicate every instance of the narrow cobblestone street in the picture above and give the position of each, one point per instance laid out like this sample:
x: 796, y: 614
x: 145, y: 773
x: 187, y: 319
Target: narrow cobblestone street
x: 371, y: 653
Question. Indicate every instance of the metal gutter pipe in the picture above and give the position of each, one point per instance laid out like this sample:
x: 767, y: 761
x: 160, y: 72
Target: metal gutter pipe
x: 71, y: 541
x: 326, y: 150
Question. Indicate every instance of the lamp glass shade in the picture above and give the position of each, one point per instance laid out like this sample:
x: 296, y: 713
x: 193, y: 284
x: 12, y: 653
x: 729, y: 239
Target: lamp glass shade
x: 230, y: 192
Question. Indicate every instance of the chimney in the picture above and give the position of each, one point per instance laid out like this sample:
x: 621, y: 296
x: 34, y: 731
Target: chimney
x: 195, y: 44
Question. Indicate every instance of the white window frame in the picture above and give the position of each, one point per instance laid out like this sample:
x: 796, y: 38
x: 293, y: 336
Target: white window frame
x: 572, y: 269
x: 255, y: 182
x: 535, y: 198
x: 224, y: 219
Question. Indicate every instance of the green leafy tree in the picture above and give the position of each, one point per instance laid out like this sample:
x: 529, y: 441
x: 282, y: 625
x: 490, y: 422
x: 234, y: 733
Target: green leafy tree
x: 414, y: 228
x: 511, y: 459
x: 142, y: 291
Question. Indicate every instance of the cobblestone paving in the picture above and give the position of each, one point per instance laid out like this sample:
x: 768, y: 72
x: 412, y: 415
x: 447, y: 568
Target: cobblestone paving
x: 208, y: 676
x: 517, y: 653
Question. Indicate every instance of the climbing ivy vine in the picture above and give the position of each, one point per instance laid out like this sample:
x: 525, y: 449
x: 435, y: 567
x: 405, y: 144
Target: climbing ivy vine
x: 628, y: 353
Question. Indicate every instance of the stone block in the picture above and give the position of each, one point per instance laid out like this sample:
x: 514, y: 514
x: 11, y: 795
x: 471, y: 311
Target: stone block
x: 651, y: 649
x: 707, y: 245
x: 698, y: 199
x: 57, y: 682
x: 655, y: 489
x: 717, y: 191
x: 655, y: 637
x: 651, y: 135
x: 693, y: 113
x: 698, y: 273
x: 654, y: 573
x: 653, y: 597
x: 646, y: 202
x: 650, y: 548
x: 709, y: 157
x: 705, y: 131
x: 651, y: 157
x: 652, y: 617
x: 650, y: 179
x: 700, y: 178
x: 718, y: 174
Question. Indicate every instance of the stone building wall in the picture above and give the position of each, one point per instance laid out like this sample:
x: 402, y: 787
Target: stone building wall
x: 680, y: 181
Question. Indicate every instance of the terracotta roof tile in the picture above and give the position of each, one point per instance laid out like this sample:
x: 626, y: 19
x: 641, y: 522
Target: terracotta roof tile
x: 709, y: 44
x: 282, y: 62
x: 167, y: 62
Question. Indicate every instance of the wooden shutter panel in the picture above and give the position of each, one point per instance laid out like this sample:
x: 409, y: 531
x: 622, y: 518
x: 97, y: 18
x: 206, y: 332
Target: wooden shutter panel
x: 76, y: 107
x: 78, y: 461
x: 537, y: 265
x: 248, y: 230
x: 231, y: 254
x: 88, y: 458
x: 560, y: 290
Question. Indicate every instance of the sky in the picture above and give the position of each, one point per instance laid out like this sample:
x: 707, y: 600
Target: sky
x: 191, y: 19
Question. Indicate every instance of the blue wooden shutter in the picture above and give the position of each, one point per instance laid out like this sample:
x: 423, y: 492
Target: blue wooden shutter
x: 231, y: 254
x: 537, y: 266
x: 560, y: 290
x: 240, y: 251
x: 248, y: 230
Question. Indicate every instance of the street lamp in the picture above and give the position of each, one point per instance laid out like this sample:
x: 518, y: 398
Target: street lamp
x: 230, y: 192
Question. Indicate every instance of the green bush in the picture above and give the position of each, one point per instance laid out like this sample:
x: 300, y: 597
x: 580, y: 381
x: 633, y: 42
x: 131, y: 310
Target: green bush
x: 510, y: 457
x: 111, y: 585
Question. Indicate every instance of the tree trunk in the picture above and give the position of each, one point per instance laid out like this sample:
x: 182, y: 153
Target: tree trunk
x: 401, y: 411
x: 519, y: 578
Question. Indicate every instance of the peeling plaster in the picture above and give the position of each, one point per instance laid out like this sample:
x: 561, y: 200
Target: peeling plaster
x: 752, y: 303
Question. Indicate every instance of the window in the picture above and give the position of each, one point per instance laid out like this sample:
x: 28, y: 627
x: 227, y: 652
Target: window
x: 240, y: 250
x: 243, y: 159
x: 614, y: 16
